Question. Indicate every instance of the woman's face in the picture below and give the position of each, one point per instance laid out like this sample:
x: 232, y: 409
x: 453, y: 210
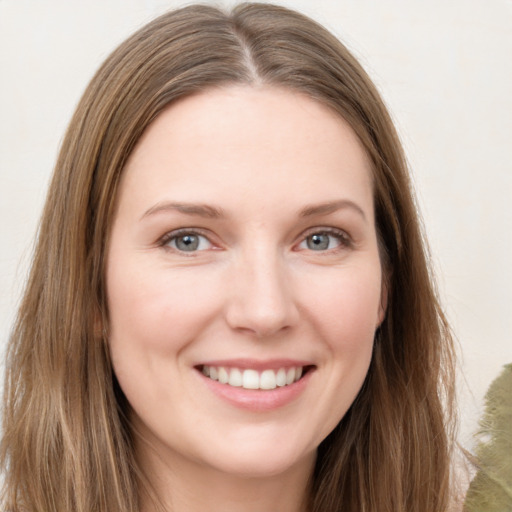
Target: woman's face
x: 244, y: 282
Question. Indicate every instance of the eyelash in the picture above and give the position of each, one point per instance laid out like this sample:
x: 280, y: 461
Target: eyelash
x: 344, y: 240
x: 173, y: 235
x: 342, y: 237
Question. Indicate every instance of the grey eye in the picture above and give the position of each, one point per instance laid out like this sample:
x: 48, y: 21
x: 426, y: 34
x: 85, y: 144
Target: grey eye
x: 187, y: 243
x: 318, y: 241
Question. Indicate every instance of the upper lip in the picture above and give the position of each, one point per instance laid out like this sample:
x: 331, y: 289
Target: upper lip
x: 256, y: 364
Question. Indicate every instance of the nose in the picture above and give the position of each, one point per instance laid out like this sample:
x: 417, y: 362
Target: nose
x: 261, y: 301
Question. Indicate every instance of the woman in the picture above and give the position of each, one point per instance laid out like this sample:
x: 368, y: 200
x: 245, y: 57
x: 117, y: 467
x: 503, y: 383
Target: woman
x: 230, y: 306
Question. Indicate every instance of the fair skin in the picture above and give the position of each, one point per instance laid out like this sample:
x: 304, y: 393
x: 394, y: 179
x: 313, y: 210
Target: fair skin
x: 243, y: 250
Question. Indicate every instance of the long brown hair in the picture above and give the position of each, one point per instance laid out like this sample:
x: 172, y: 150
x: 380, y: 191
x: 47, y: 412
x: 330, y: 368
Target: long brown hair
x: 67, y: 444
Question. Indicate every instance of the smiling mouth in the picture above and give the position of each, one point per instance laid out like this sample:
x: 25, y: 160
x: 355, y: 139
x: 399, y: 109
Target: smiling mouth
x: 254, y: 379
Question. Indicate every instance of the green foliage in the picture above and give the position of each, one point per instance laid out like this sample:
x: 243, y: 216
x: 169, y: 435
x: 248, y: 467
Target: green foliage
x: 491, y: 489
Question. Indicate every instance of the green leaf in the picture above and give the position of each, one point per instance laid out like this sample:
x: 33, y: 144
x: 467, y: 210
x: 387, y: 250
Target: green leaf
x: 491, y: 489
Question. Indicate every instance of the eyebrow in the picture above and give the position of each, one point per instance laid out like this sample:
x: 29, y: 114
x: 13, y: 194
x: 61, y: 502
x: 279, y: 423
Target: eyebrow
x: 213, y: 212
x: 331, y: 207
x: 200, y: 210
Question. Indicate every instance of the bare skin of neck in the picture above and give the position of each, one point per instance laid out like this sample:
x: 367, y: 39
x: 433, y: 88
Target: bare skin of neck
x: 189, y: 487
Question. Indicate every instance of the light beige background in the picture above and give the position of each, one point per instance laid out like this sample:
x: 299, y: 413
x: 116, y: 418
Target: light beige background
x: 444, y: 68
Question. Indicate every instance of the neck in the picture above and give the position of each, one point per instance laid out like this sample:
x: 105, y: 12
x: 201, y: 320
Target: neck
x: 187, y: 486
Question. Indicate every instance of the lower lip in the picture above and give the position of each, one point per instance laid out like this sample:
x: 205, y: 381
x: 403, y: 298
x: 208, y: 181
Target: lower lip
x: 258, y: 400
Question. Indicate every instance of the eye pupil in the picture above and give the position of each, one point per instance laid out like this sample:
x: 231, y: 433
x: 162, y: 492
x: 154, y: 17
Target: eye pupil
x: 318, y: 242
x: 187, y: 242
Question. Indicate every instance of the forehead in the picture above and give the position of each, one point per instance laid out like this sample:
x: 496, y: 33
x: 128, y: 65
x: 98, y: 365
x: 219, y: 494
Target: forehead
x: 248, y: 140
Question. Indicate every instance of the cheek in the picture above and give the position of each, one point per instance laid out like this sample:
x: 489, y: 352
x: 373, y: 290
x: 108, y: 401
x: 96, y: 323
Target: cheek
x: 347, y: 306
x: 344, y: 315
x: 157, y: 309
x: 154, y: 315
x: 347, y: 317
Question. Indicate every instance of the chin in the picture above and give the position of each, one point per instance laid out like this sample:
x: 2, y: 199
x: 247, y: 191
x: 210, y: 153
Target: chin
x: 264, y: 463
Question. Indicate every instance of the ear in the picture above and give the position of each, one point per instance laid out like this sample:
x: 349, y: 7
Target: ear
x: 383, y: 306
x: 98, y: 327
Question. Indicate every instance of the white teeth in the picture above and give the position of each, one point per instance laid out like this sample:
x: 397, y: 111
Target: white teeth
x: 281, y: 377
x: 223, y: 375
x: 252, y: 379
x: 235, y: 378
x: 268, y: 379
